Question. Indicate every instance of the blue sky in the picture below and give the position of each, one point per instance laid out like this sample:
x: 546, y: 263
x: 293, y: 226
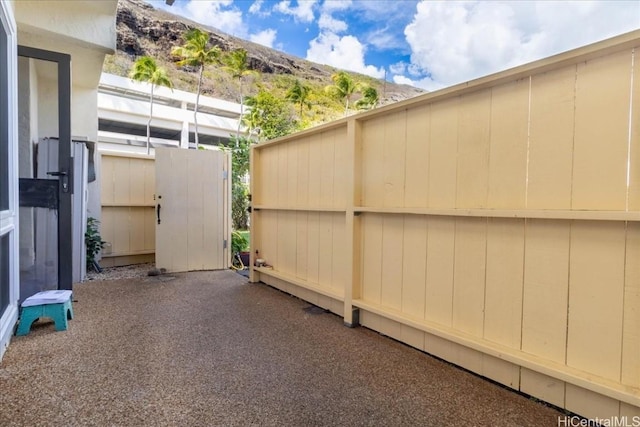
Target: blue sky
x: 426, y: 43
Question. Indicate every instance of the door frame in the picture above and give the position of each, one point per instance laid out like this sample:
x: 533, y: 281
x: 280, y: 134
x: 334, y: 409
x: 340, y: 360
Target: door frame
x: 65, y: 164
x: 9, y: 217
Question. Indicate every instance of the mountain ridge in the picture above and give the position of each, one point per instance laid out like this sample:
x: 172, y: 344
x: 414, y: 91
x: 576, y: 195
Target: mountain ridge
x: 145, y: 30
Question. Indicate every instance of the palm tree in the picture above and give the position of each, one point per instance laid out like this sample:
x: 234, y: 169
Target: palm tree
x: 145, y: 69
x: 298, y: 94
x: 236, y: 64
x: 196, y: 53
x: 343, y: 88
x: 369, y: 98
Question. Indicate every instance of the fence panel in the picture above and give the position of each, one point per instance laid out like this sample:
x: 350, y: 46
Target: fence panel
x: 494, y: 224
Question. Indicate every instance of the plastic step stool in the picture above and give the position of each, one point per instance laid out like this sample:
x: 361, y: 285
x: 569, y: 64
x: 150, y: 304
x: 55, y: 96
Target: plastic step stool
x: 53, y: 304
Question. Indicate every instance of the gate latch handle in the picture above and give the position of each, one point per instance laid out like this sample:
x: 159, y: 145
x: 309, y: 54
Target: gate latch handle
x: 158, y: 212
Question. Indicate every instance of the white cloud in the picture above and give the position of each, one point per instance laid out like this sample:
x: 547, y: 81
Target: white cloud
x: 303, y: 12
x: 256, y: 8
x: 458, y: 41
x: 265, y: 38
x: 327, y: 22
x: 344, y: 52
x: 333, y: 5
x: 219, y: 14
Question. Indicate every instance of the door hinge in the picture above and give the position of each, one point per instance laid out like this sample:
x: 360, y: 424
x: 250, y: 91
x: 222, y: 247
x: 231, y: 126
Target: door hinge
x: 225, y: 175
x: 224, y: 244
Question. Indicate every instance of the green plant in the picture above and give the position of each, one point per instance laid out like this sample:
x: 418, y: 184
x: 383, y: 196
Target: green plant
x: 92, y: 240
x: 239, y: 242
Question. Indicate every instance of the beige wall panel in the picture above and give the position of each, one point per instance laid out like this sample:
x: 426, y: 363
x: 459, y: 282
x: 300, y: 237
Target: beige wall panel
x: 371, y: 257
x: 149, y: 228
x: 417, y: 157
x: 339, y: 254
x: 467, y: 358
x: 325, y: 249
x: 508, y: 147
x: 503, y: 295
x: 631, y: 316
x: 440, y: 262
x: 328, y: 166
x: 107, y: 226
x: 283, y: 175
x: 469, y: 275
x: 286, y: 243
x: 630, y: 411
x: 589, y: 404
x: 149, y: 181
x: 395, y: 146
x: 213, y: 228
x: 313, y: 247
x: 315, y: 169
x: 603, y: 88
x: 137, y: 229
x: 501, y: 371
x: 302, y: 248
x: 414, y: 265
x: 373, y: 163
x: 137, y: 181
x: 292, y: 176
x: 473, y: 150
x: 163, y: 239
x: 341, y: 170
x: 271, y: 175
x: 178, y: 240
x: 121, y: 183
x: 106, y: 179
x: 542, y: 387
x: 411, y: 336
x: 383, y: 325
x: 121, y: 235
x: 269, y: 237
x: 634, y: 151
x: 596, y: 289
x: 194, y: 213
x: 443, y: 152
x: 392, y: 246
x: 439, y: 347
x: 551, y: 139
x: 546, y: 282
x: 302, y: 174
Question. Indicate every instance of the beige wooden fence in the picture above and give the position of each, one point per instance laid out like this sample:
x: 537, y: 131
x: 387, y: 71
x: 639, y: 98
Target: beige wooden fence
x: 495, y: 224
x: 128, y: 216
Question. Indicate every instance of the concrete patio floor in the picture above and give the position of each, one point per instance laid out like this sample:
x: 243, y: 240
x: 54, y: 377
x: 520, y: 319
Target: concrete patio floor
x: 210, y: 349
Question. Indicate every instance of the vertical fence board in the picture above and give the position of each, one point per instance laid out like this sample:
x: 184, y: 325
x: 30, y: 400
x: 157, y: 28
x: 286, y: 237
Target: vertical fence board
x: 602, y: 114
x: 631, y: 312
x: 473, y: 150
x: 302, y: 249
x: 292, y: 179
x: 469, y: 275
x: 372, y: 163
x: 325, y: 249
x: 339, y: 255
x: 505, y: 266
x: 440, y: 270
x: 315, y: 169
x: 283, y: 175
x: 392, y: 235
x: 341, y: 170
x: 417, y: 157
x: 302, y: 175
x: 328, y: 164
x: 634, y: 142
x: 372, y: 257
x: 414, y: 263
x: 394, y: 150
x: 313, y: 247
x: 551, y: 139
x: 546, y: 282
x: 508, y: 148
x: 443, y: 146
x: 596, y: 289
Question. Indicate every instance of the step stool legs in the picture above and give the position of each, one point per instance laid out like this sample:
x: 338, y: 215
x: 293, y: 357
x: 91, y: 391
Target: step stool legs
x: 60, y: 313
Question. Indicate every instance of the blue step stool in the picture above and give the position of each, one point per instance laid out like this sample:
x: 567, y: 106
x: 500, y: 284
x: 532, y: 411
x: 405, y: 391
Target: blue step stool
x: 53, y: 304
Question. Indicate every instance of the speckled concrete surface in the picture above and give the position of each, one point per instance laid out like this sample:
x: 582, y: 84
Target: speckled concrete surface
x: 209, y: 349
